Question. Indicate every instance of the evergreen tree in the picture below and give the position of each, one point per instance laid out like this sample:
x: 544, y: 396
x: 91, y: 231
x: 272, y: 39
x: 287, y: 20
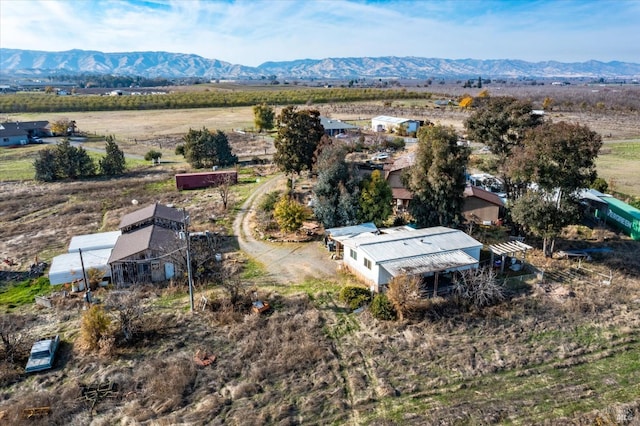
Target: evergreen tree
x: 45, y: 165
x: 560, y: 159
x: 375, y: 199
x: 113, y: 164
x: 437, y: 179
x: 224, y: 157
x: 501, y: 123
x: 204, y: 149
x: 299, y: 133
x: 73, y: 162
x: 335, y: 199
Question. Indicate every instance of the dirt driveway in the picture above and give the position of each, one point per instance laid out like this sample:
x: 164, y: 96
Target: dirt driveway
x: 285, y: 262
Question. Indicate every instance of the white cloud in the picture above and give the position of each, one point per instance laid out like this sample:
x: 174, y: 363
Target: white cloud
x: 251, y: 32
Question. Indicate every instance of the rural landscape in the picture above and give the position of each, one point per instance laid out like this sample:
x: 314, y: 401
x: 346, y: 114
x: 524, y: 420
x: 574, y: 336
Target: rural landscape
x: 558, y: 346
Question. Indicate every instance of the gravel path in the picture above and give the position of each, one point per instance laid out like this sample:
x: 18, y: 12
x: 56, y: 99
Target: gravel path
x: 285, y: 262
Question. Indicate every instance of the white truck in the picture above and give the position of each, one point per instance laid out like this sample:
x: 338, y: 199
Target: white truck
x: 42, y: 355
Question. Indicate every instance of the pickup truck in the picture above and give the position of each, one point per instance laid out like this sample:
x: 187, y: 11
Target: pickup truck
x: 42, y: 355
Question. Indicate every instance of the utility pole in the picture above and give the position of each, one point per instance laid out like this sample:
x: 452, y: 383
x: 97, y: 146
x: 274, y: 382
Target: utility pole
x: 185, y: 220
x: 84, y: 273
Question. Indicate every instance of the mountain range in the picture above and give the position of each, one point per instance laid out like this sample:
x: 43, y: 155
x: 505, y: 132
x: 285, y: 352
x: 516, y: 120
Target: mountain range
x: 26, y: 63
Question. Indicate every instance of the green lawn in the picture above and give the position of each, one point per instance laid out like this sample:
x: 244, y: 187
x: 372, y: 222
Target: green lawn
x: 17, y: 163
x: 17, y: 294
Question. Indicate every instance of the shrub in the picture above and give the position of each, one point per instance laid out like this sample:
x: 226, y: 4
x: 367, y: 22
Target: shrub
x: 355, y: 297
x: 153, y: 155
x: 381, y: 308
x: 269, y: 200
x: 289, y: 214
x: 404, y: 294
x: 94, y: 328
x: 600, y: 185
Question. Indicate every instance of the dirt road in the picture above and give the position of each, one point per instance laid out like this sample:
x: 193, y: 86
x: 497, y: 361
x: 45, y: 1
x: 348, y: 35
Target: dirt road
x: 285, y: 262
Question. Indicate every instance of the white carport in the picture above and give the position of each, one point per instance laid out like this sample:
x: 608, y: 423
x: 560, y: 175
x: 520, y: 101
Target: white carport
x: 67, y: 267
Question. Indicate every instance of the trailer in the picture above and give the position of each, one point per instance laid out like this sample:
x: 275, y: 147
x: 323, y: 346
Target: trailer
x: 623, y: 216
x: 205, y: 179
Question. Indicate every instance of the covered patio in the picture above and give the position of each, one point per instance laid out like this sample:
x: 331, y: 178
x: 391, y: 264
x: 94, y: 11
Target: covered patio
x: 511, y: 250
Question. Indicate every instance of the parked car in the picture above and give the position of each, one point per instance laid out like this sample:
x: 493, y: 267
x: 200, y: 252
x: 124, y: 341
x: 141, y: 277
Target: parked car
x: 380, y: 156
x: 42, y: 355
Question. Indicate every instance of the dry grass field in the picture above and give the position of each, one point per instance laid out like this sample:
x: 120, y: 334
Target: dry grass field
x: 562, y: 351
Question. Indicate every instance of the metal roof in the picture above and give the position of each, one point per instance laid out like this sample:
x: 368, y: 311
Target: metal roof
x: 391, y: 120
x: 477, y: 192
x: 509, y: 247
x: 350, y: 231
x: 101, y: 240
x: 151, y: 211
x: 435, y: 262
x: 627, y: 208
x: 331, y: 124
x: 411, y: 243
x: 150, y: 237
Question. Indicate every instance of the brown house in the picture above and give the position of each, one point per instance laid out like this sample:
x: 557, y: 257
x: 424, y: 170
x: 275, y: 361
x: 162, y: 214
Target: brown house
x: 393, y: 175
x: 482, y: 206
x: 149, y: 247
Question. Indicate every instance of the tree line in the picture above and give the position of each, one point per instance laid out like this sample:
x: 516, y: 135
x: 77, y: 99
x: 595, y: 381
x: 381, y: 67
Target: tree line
x: 41, y: 102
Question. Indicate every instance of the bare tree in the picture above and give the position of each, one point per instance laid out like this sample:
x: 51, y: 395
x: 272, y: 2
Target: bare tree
x: 13, y: 340
x: 127, y: 311
x: 478, y: 287
x: 224, y: 189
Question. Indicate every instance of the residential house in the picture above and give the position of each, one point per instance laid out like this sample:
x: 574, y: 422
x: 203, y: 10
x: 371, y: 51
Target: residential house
x: 22, y: 132
x: 482, y: 206
x: 336, y: 127
x: 150, y: 244
x: 154, y: 214
x: 378, y: 258
x: 393, y: 175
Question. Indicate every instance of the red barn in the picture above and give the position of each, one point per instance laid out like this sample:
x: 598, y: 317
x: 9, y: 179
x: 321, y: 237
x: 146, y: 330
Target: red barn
x: 205, y: 179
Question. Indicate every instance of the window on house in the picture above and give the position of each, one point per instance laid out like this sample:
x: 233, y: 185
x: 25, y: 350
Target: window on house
x: 353, y: 254
x: 367, y: 263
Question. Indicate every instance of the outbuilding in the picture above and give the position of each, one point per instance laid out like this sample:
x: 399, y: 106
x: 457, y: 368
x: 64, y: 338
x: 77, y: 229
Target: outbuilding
x: 205, y: 179
x: 67, y: 268
x: 385, y: 123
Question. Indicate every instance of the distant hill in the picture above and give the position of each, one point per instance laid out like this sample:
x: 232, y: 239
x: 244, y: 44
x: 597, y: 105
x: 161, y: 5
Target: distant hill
x: 25, y: 63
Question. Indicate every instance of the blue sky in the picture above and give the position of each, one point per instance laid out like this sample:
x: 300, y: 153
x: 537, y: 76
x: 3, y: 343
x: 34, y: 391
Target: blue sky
x: 252, y: 32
